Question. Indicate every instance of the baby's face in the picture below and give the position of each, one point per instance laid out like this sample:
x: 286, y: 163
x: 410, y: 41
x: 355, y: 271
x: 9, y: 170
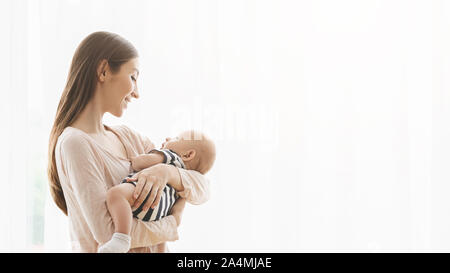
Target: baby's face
x: 178, y: 144
x: 194, y: 148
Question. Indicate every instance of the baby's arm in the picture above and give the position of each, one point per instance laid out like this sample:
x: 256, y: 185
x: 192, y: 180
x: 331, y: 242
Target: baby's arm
x: 144, y: 161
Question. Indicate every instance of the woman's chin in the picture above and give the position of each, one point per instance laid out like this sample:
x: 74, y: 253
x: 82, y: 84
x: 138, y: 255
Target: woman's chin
x: 117, y: 113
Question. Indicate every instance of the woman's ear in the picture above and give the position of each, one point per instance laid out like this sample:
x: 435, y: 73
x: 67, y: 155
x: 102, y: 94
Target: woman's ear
x: 188, y: 155
x: 101, y: 70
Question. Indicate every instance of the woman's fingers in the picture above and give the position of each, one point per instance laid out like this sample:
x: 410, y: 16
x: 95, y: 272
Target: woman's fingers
x: 148, y: 188
x: 131, y: 179
x: 151, y: 198
x: 139, y: 186
x: 140, y: 192
x: 135, y: 176
x: 158, y: 198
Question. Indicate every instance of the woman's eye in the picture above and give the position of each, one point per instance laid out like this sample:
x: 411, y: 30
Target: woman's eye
x: 133, y: 78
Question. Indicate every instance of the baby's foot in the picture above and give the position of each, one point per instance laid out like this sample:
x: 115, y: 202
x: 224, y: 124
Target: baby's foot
x: 119, y: 243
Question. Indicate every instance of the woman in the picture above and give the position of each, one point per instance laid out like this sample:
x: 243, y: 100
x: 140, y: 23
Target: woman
x: 86, y: 157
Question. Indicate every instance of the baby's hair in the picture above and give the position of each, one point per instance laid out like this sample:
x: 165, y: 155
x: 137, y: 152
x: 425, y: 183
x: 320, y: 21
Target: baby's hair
x: 194, y: 135
x: 207, y: 149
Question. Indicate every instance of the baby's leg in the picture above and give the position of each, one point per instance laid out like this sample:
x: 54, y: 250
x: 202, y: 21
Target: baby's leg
x: 119, y: 200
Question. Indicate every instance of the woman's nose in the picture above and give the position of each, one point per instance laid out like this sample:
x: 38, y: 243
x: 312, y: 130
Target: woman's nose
x: 135, y: 93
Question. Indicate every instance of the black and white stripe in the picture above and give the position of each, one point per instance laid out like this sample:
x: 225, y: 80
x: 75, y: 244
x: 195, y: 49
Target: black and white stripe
x: 168, y: 198
x: 169, y: 195
x: 170, y: 157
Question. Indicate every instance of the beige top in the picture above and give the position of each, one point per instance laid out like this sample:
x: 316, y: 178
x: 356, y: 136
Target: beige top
x: 87, y: 170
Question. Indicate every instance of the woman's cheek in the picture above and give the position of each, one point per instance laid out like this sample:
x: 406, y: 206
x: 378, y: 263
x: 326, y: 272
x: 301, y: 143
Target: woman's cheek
x: 131, y: 85
x: 126, y: 87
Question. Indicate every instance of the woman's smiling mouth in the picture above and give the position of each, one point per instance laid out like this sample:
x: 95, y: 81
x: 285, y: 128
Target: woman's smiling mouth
x: 126, y: 100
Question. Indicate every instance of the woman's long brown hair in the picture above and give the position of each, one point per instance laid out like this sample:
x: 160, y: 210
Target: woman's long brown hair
x: 79, y: 89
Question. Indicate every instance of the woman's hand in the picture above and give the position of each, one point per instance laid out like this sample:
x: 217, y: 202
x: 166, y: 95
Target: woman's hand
x: 151, y: 183
x: 177, y: 209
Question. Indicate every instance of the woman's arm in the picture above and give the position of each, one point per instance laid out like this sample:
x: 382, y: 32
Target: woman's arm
x: 195, y: 186
x: 177, y: 209
x: 85, y: 174
x: 189, y: 184
x: 144, y: 234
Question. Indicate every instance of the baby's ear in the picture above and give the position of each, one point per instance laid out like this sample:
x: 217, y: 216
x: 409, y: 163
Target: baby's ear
x: 189, y: 155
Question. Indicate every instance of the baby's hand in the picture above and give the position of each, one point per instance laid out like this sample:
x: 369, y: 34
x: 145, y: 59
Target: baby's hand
x: 136, y: 163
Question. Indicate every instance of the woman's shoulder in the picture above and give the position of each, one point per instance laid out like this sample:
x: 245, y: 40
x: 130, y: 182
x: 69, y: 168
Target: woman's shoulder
x: 72, y: 139
x: 134, y: 137
x: 70, y: 135
x: 125, y: 131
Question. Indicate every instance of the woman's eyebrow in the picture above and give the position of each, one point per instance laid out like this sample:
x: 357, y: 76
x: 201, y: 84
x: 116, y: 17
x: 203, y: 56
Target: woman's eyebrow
x: 137, y: 71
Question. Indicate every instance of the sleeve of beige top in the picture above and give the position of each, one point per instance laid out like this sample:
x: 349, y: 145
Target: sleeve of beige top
x: 196, y: 186
x: 84, y: 171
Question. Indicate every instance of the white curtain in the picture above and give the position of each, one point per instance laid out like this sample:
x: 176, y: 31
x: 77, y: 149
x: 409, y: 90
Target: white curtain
x: 330, y: 118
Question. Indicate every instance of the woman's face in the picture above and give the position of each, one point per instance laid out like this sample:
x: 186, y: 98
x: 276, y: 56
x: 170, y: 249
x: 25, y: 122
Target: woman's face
x: 120, y: 87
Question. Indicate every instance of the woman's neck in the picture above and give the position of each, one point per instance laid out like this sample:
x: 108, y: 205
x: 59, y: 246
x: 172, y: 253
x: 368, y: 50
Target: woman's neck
x: 90, y: 119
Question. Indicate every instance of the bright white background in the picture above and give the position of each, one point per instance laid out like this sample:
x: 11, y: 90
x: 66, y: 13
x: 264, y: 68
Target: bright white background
x: 331, y: 118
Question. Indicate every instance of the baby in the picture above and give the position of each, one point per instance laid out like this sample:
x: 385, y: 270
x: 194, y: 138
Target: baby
x: 189, y: 150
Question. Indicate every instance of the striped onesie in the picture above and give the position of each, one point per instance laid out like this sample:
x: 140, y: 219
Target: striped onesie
x: 168, y: 196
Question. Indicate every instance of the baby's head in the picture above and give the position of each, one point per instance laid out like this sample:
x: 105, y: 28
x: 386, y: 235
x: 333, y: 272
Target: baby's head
x: 197, y: 151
